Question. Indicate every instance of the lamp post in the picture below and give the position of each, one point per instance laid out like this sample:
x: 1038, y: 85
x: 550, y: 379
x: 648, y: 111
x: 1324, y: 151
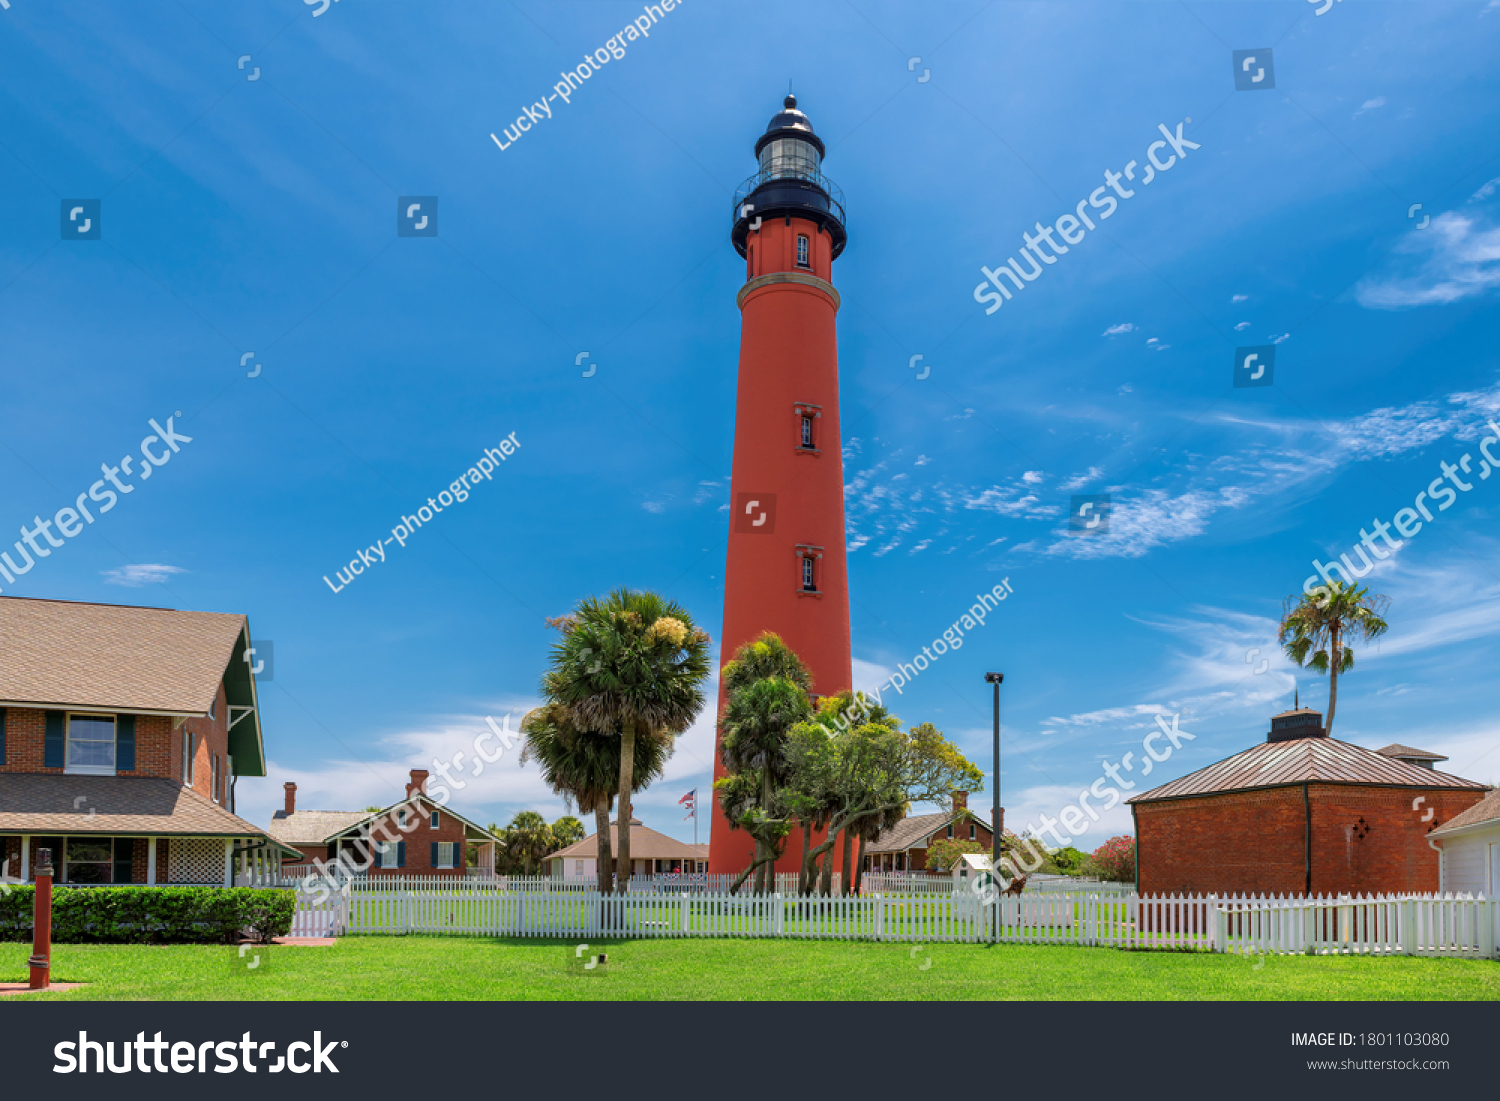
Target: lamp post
x: 996, y: 826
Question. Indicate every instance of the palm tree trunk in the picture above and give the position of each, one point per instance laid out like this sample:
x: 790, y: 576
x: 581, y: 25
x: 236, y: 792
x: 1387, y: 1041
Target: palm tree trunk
x: 627, y: 781
x: 1333, y: 679
x: 846, y: 880
x: 602, y: 847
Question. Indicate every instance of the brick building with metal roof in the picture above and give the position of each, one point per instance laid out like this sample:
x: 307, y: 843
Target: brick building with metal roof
x: 1300, y: 814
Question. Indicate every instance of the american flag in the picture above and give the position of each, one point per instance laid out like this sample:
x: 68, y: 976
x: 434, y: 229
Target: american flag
x: 690, y: 801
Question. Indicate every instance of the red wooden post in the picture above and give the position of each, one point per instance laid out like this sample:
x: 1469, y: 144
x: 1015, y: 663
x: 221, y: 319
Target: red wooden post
x: 41, y: 930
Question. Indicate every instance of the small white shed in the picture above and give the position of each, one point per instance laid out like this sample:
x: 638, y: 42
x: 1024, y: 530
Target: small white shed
x: 1470, y: 848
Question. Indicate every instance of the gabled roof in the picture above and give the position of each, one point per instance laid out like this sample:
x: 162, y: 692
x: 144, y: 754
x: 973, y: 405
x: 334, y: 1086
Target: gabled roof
x: 645, y: 844
x: 908, y: 832
x: 40, y: 803
x: 354, y: 821
x: 109, y: 657
x: 1300, y: 761
x: 1396, y: 749
x: 312, y: 827
x: 1486, y: 810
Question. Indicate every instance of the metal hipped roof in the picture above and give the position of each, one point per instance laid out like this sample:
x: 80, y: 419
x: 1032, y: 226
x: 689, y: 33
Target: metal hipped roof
x: 1305, y: 760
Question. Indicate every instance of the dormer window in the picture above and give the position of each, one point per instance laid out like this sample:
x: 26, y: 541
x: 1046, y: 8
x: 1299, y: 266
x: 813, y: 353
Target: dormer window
x: 802, y: 250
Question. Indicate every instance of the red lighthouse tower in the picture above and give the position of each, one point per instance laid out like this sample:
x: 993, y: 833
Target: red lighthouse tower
x: 787, y: 569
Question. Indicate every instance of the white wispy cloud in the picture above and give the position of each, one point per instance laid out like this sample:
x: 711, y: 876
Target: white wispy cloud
x: 1078, y: 481
x: 1460, y: 258
x: 1370, y: 105
x: 1117, y: 330
x: 140, y: 573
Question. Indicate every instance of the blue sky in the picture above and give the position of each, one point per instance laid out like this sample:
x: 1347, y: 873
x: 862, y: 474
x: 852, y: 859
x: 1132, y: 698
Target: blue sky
x: 258, y: 215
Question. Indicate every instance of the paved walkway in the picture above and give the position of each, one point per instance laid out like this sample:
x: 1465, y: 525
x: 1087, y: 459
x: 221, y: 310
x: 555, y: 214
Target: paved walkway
x: 8, y: 988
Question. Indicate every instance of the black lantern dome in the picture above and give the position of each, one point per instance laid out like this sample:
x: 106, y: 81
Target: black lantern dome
x: 790, y: 181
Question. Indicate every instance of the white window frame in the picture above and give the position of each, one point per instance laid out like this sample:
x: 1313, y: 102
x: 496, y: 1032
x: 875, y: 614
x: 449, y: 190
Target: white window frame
x: 804, y: 251
x: 435, y: 822
x: 809, y: 575
x: 389, y: 854
x: 187, y: 757
x: 71, y: 769
x: 401, y: 819
x: 451, y: 849
x: 807, y: 431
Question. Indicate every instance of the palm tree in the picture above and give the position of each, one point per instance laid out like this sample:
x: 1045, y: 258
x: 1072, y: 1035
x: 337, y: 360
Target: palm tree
x: 584, y: 768
x: 766, y: 689
x: 634, y: 665
x: 567, y: 831
x: 529, y: 838
x: 1323, y: 624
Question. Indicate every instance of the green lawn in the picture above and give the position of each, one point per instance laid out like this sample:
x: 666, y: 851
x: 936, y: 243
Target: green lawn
x: 463, y: 968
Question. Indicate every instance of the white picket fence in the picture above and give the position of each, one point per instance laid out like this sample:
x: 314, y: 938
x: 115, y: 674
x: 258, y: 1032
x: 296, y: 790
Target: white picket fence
x: 1410, y: 925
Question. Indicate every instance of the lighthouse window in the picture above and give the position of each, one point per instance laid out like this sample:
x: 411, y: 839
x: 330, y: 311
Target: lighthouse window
x: 807, y: 432
x: 801, y: 250
x: 792, y: 157
x: 807, y: 576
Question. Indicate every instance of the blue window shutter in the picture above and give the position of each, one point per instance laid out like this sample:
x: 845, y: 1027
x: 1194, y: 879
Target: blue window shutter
x: 124, y: 743
x: 434, y: 854
x: 2, y: 737
x: 53, y: 741
x: 400, y: 854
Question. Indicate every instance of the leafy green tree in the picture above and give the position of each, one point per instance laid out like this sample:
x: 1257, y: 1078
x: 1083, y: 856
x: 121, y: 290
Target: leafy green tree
x: 632, y: 665
x: 1321, y: 625
x: 943, y: 855
x: 872, y: 769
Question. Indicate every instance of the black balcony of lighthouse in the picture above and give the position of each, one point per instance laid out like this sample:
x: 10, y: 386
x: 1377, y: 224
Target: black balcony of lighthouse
x: 790, y: 182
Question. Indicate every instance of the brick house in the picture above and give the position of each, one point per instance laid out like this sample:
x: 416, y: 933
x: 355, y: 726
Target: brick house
x: 1301, y: 814
x: 416, y: 836
x: 903, y: 847
x: 123, y: 734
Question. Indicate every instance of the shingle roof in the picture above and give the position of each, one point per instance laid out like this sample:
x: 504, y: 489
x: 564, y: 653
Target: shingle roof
x: 1486, y: 810
x: 1303, y: 760
x: 645, y: 844
x: 313, y: 827
x: 55, y: 803
x: 1396, y: 749
x: 61, y: 654
x: 909, y: 831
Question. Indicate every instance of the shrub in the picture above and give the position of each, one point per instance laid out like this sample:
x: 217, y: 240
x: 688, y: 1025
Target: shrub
x: 152, y: 915
x: 1115, y: 860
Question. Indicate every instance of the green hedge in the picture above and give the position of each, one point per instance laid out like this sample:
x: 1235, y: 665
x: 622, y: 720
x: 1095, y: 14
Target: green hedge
x: 152, y: 915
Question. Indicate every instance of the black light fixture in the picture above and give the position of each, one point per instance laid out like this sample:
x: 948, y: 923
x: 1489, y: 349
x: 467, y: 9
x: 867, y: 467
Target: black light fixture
x: 996, y: 827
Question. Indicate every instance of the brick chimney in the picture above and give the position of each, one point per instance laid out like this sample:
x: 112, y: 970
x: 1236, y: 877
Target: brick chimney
x: 291, y: 797
x: 960, y: 801
x: 418, y: 783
